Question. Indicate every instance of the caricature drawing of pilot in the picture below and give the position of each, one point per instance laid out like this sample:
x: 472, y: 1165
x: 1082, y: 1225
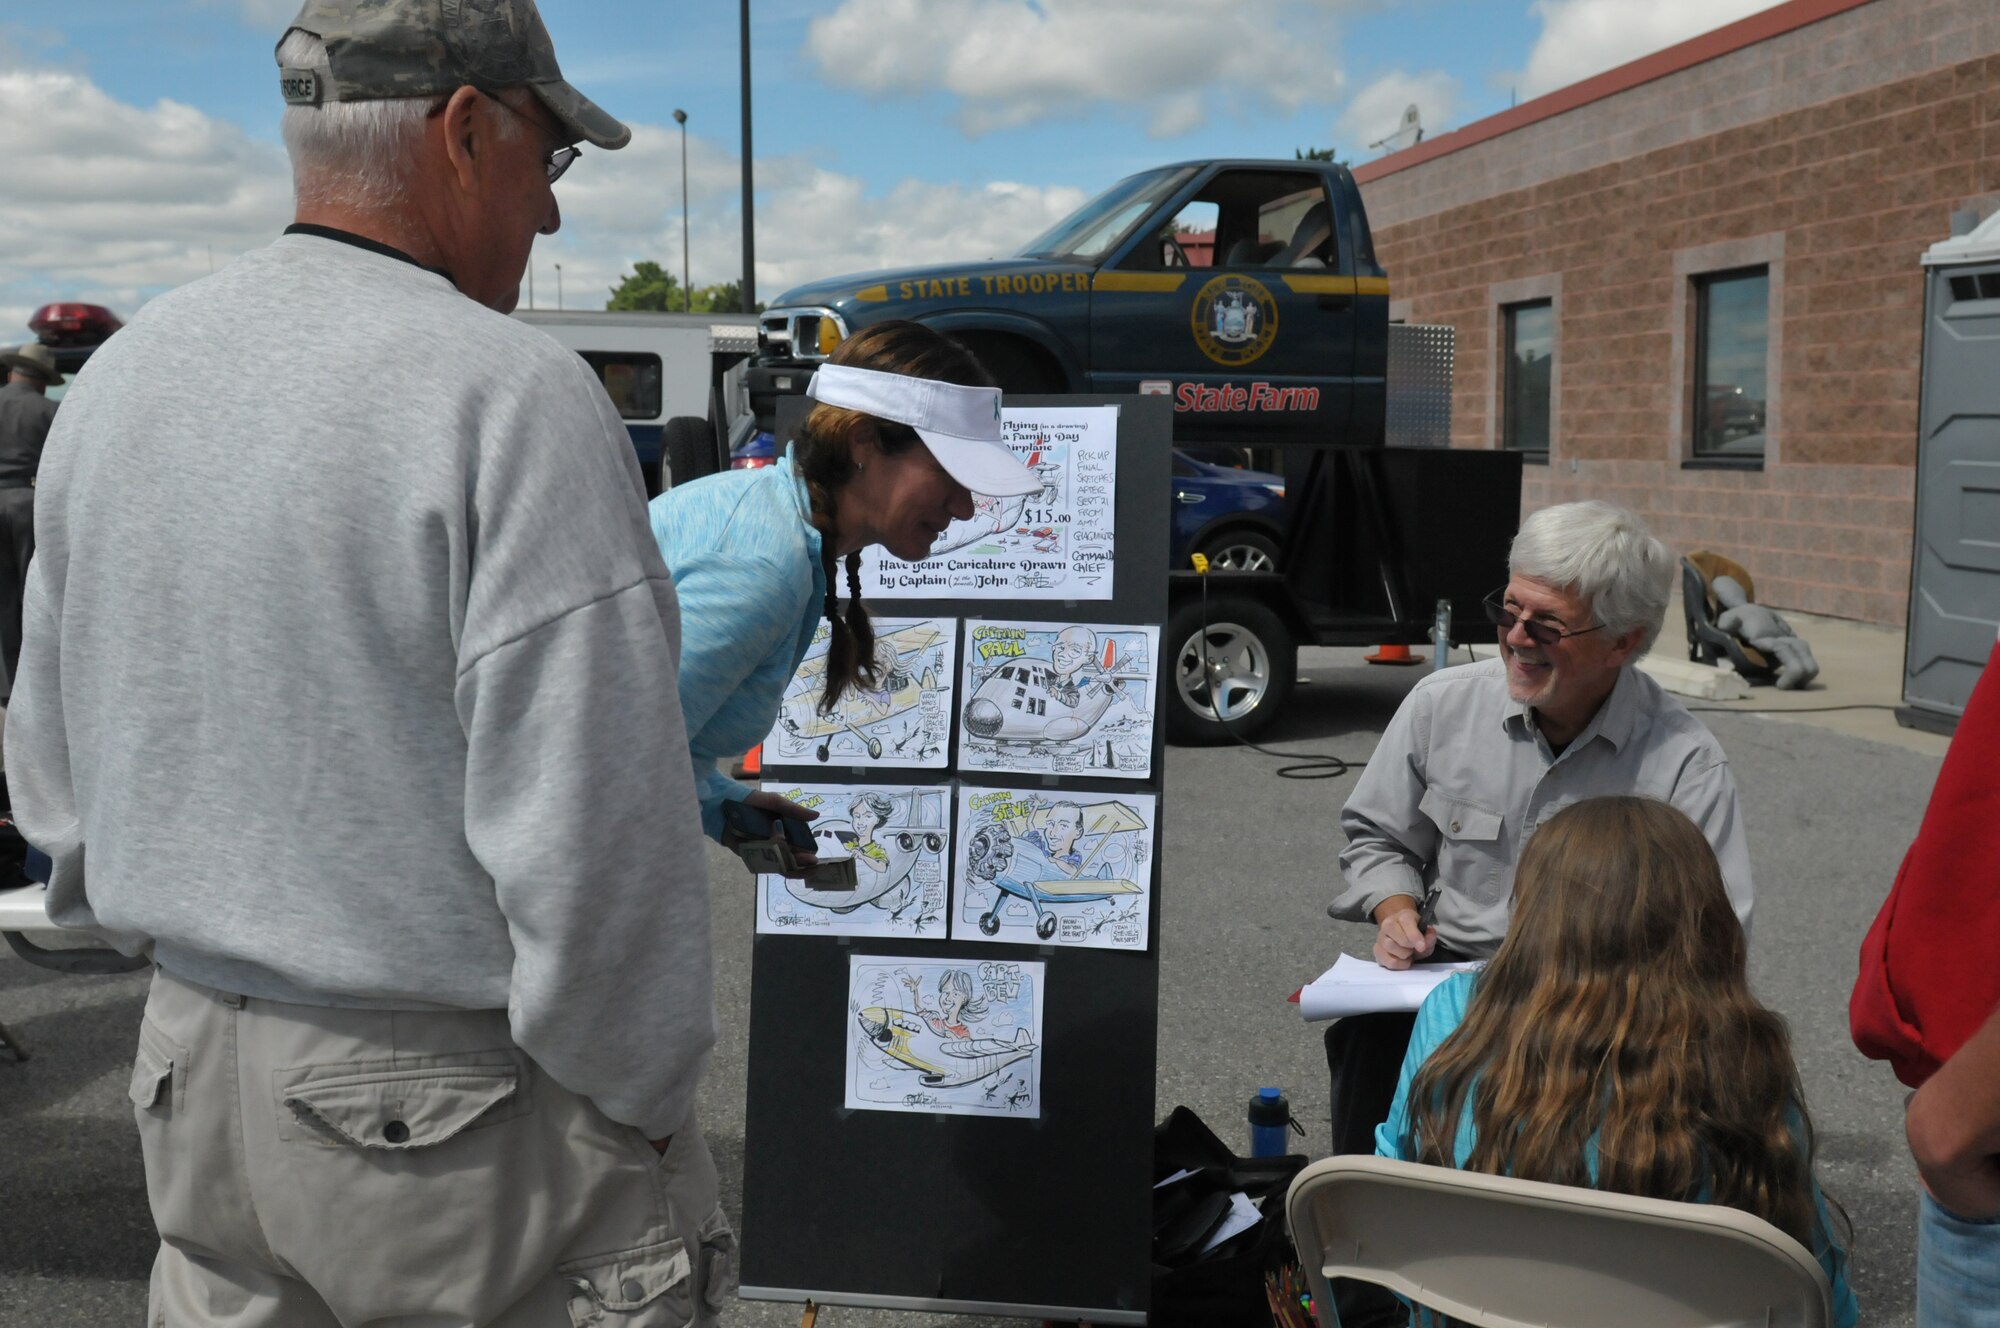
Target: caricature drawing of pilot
x: 1075, y: 648
x: 869, y: 812
x: 956, y: 1006
x: 1061, y: 837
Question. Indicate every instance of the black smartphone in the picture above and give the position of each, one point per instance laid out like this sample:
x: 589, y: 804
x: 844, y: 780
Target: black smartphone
x: 755, y: 823
x: 798, y: 833
x: 748, y: 822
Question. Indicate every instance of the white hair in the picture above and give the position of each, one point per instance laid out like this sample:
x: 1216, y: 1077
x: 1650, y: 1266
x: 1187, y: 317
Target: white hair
x: 1604, y: 555
x: 354, y: 154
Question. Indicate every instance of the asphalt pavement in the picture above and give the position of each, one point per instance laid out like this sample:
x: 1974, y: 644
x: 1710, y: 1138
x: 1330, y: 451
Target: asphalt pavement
x: 1248, y: 867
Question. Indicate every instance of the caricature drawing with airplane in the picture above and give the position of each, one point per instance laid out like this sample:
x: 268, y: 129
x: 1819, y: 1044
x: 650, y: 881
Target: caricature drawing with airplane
x: 1059, y: 698
x: 901, y: 721
x: 1031, y: 862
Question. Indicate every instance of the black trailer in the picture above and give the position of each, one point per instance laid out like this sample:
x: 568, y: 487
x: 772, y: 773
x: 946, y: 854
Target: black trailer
x: 1378, y: 539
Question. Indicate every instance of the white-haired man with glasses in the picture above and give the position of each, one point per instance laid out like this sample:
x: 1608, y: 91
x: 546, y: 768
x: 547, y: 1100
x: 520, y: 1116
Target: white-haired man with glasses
x: 1479, y: 755
x: 340, y: 698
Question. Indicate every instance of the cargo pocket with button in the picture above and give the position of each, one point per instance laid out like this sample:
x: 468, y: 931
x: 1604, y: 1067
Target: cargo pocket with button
x: 159, y: 1072
x: 415, y: 1107
x: 650, y: 1286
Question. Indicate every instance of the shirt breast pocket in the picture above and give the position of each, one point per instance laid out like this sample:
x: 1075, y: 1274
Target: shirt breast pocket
x: 1472, y: 855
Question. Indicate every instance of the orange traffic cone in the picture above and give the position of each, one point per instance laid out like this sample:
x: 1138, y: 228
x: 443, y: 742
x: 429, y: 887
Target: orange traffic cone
x: 752, y: 763
x: 1393, y: 655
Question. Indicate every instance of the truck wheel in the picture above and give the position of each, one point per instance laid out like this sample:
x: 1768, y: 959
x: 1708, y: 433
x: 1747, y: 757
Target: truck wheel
x: 1242, y: 662
x: 1241, y: 551
x: 688, y: 446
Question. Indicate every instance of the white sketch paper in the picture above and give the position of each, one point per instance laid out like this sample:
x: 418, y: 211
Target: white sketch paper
x: 905, y: 721
x: 1054, y: 867
x: 900, y: 839
x: 958, y: 1037
x: 1056, y: 544
x: 1058, y: 698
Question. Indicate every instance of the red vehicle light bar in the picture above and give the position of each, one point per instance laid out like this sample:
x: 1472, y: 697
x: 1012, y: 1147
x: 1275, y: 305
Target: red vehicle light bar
x: 69, y: 324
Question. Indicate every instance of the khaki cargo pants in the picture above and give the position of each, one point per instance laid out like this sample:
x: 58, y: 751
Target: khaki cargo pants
x: 311, y: 1167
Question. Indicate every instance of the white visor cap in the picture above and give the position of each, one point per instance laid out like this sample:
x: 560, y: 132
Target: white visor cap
x: 960, y: 425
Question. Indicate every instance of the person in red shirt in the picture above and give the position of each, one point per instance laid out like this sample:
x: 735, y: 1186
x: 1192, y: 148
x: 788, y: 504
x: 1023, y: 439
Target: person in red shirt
x: 1933, y: 1012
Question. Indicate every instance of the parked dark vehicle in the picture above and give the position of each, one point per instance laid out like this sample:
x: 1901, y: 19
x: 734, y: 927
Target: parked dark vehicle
x: 1248, y: 292
x: 1284, y: 335
x: 1233, y: 517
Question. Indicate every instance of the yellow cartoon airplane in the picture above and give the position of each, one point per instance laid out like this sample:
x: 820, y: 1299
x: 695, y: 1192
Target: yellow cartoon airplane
x: 901, y: 690
x: 940, y: 1062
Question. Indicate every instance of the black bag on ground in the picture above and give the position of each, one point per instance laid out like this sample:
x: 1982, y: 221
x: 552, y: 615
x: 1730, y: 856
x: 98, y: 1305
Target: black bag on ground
x: 1222, y: 1287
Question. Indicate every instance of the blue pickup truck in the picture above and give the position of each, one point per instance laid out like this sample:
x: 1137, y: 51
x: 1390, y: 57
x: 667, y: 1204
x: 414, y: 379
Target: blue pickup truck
x: 1248, y: 291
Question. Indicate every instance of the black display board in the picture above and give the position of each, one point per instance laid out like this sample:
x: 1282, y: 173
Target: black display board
x: 1048, y: 1218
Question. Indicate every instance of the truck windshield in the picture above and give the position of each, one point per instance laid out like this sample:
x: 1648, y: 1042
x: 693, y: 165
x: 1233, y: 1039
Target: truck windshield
x: 1094, y: 229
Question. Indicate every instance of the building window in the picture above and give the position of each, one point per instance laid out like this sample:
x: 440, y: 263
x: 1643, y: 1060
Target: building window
x: 1531, y: 355
x: 1731, y: 357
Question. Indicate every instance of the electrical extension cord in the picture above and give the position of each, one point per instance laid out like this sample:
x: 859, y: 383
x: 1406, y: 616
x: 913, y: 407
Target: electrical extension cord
x: 1304, y: 765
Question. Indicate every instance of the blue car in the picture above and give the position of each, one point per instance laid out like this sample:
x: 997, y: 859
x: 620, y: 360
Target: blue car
x: 1235, y: 518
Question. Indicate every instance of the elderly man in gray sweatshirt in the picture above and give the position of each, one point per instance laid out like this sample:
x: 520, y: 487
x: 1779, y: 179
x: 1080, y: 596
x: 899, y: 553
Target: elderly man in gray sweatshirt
x: 347, y: 695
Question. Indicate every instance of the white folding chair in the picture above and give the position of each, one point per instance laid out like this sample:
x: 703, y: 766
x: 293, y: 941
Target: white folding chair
x: 1501, y: 1253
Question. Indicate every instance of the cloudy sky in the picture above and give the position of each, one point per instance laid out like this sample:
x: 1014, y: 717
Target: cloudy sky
x: 143, y: 142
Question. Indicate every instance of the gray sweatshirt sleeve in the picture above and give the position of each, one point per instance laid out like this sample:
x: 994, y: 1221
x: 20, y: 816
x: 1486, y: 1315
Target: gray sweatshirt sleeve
x: 1389, y: 840
x: 580, y: 802
x: 37, y: 762
x: 579, y: 794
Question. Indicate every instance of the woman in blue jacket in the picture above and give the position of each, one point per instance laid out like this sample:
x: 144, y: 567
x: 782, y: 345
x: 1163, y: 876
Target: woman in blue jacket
x: 905, y: 430
x: 1613, y: 1041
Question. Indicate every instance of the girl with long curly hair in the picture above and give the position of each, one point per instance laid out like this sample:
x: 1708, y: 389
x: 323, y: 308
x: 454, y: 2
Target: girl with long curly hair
x: 1613, y: 1040
x: 905, y: 429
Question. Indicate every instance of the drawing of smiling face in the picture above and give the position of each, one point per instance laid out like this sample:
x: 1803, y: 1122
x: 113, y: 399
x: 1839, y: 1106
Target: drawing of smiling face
x: 1065, y: 827
x: 865, y: 821
x: 1073, y: 650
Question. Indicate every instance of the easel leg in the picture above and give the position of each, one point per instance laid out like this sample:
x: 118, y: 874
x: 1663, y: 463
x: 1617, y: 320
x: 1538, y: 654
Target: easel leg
x: 13, y: 1044
x: 810, y: 1317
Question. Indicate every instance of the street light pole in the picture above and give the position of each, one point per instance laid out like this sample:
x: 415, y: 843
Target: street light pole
x: 687, y: 291
x: 559, y: 285
x: 749, y: 225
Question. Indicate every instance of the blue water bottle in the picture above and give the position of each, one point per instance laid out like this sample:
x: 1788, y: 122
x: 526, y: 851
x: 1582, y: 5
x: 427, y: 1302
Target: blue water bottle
x: 1270, y: 1117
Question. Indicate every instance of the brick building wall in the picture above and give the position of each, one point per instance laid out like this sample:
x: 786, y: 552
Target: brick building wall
x: 1831, y: 144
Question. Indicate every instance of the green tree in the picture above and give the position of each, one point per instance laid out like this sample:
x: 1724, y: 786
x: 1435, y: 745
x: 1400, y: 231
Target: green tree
x: 724, y: 297
x: 652, y: 288
x: 1316, y: 154
x: 649, y: 287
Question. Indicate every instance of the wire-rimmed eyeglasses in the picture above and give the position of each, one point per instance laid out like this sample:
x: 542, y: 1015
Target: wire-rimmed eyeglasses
x: 1541, y: 633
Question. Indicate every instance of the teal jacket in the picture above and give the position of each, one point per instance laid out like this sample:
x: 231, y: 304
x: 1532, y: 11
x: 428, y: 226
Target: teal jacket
x: 1442, y: 1012
x: 745, y: 560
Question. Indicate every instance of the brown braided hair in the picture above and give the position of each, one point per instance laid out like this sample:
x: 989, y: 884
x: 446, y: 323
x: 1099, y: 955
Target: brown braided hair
x: 825, y: 462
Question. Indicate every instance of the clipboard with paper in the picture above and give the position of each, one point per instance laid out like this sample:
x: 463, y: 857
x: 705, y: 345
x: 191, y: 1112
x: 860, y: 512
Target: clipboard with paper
x: 1360, y: 986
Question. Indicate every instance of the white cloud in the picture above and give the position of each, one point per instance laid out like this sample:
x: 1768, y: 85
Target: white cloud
x: 1377, y: 110
x: 1015, y: 62
x: 113, y: 203
x: 109, y: 201
x: 1585, y: 37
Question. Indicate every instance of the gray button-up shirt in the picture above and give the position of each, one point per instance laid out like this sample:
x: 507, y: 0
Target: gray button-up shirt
x: 1462, y: 776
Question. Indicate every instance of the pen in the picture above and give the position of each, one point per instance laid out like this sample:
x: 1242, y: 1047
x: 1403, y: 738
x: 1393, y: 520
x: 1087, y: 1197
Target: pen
x: 1427, y: 911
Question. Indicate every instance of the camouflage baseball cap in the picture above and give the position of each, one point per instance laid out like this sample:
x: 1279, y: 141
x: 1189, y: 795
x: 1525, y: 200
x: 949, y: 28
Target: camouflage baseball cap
x: 416, y: 48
